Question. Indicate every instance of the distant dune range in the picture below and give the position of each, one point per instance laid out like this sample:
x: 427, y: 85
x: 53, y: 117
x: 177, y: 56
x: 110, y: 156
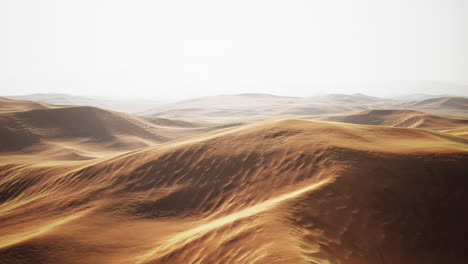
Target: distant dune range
x: 444, y: 105
x: 254, y: 107
x: 440, y: 102
x: 121, y: 105
x: 260, y: 106
x: 398, y: 118
x: 82, y: 132
x: 86, y: 185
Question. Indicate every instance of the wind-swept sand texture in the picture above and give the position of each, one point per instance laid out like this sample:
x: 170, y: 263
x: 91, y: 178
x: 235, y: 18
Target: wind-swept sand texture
x: 282, y: 191
x: 461, y: 132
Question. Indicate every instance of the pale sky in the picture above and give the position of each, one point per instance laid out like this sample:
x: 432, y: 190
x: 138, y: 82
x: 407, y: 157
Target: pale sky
x: 172, y: 48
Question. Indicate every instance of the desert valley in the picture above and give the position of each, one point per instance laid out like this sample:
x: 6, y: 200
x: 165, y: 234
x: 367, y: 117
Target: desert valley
x: 246, y: 178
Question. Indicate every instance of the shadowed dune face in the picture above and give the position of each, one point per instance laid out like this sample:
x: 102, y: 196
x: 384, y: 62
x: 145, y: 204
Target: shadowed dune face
x: 50, y: 128
x: 75, y: 122
x: 286, y: 191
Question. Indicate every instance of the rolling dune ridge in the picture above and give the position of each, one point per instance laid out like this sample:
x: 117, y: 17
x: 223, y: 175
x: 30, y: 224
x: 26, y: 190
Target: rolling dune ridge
x: 398, y: 118
x: 281, y: 191
x: 449, y: 105
x: 10, y: 105
x: 36, y: 131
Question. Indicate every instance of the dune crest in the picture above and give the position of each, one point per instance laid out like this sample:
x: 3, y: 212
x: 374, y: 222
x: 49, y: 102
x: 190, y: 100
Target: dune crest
x: 398, y: 118
x: 281, y: 191
x: 30, y: 130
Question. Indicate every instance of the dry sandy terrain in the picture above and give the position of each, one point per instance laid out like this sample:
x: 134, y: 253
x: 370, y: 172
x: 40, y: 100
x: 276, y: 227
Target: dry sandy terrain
x: 121, y: 105
x: 442, y: 105
x: 31, y: 130
x: 252, y: 107
x: 277, y: 191
x: 255, y: 107
x: 401, y: 118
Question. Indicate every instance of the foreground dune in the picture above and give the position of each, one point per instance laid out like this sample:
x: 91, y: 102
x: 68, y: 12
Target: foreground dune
x: 284, y: 191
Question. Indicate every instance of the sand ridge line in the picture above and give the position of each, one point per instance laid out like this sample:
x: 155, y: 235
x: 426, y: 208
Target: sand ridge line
x: 181, y: 239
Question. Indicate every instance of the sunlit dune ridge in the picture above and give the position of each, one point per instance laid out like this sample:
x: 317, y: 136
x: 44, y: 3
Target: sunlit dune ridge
x: 281, y: 191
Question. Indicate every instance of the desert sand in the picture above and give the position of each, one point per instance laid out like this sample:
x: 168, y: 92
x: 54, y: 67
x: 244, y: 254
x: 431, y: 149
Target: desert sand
x: 121, y: 105
x: 87, y: 185
x: 398, y: 118
x: 257, y: 107
x: 31, y: 131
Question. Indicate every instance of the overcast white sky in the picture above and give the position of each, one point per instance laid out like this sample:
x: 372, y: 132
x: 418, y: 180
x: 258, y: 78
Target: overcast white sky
x: 190, y: 48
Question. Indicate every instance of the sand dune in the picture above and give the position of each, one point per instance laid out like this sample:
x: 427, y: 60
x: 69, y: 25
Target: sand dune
x: 254, y: 107
x: 22, y: 129
x: 121, y: 105
x: 450, y: 105
x: 282, y: 191
x: 36, y: 131
x: 356, y: 98
x: 398, y: 118
x: 257, y: 107
x: 461, y: 132
x: 451, y: 102
x: 9, y: 105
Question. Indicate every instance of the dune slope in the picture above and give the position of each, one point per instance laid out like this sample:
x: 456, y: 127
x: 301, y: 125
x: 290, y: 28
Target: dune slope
x: 254, y: 107
x: 9, y: 105
x: 36, y: 131
x: 397, y: 118
x: 439, y: 102
x: 93, y: 124
x: 120, y: 105
x: 286, y: 191
x: 451, y: 105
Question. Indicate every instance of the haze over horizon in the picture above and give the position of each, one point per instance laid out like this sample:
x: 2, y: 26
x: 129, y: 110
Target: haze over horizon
x: 188, y: 49
x: 384, y: 89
